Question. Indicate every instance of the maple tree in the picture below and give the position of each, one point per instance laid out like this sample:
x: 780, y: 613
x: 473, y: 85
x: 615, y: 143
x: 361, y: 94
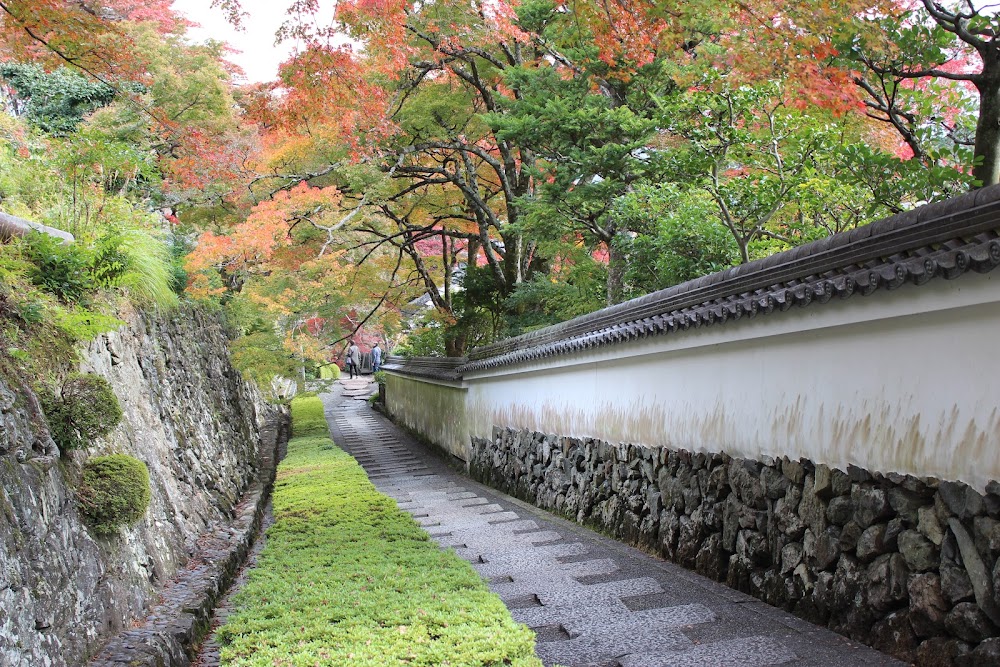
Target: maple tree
x: 494, y: 154
x: 931, y: 70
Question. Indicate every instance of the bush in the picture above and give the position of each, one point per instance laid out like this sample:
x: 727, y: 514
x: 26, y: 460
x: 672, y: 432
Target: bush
x: 138, y: 263
x: 347, y: 578
x: 85, y: 409
x: 114, y: 492
x: 62, y: 270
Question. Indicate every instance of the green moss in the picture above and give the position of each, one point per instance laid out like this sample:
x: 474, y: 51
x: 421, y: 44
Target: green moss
x: 347, y: 578
x: 307, y: 416
x: 114, y: 492
x: 85, y: 409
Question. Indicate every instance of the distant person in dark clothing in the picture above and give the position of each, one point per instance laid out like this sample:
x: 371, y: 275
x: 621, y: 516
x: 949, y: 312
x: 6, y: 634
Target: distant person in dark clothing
x: 376, y: 358
x: 353, y: 359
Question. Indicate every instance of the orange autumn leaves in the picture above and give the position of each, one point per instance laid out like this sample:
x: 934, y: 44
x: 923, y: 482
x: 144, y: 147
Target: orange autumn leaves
x: 278, y: 235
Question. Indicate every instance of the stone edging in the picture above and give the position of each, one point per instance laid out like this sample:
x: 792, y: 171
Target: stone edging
x: 173, y: 628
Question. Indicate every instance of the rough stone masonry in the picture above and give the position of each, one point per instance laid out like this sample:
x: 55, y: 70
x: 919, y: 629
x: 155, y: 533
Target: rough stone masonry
x: 194, y: 422
x: 910, y: 566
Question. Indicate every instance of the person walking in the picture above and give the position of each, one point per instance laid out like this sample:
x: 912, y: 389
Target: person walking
x: 353, y: 359
x: 376, y: 358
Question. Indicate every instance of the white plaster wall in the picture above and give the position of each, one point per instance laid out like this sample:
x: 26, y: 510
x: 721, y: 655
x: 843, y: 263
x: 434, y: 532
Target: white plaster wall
x: 905, y: 381
x: 435, y: 410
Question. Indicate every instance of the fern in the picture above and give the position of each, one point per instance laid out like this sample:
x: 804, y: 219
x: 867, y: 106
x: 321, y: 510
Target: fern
x: 138, y: 263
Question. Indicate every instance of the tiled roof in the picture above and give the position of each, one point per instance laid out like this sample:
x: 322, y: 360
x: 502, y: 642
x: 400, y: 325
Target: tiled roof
x: 942, y: 240
x: 435, y: 368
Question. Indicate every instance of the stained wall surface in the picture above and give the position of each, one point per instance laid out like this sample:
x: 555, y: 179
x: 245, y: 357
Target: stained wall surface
x: 902, y: 381
x: 434, y: 410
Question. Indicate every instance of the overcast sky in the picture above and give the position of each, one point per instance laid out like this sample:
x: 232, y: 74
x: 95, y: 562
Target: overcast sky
x: 256, y: 51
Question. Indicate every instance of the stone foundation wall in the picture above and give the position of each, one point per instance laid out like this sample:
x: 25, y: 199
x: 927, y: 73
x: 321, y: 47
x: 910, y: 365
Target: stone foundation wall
x: 195, y: 423
x: 907, y: 565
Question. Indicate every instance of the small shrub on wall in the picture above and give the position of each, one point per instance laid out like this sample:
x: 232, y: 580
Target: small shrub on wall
x: 114, y: 492
x: 85, y: 409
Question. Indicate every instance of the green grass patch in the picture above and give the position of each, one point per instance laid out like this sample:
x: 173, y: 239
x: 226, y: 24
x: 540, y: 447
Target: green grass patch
x: 347, y: 578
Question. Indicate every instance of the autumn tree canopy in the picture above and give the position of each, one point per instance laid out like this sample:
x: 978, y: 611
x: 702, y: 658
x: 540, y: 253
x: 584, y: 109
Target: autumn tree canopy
x: 514, y: 164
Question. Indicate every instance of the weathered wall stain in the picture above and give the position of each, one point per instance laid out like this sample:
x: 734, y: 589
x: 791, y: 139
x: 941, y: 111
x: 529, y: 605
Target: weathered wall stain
x: 435, y: 411
x: 881, y: 436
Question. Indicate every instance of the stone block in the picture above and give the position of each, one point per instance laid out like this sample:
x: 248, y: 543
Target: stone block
x: 823, y: 482
x: 940, y: 651
x: 920, y: 554
x: 826, y: 549
x: 886, y: 581
x: 955, y: 584
x: 840, y: 510
x: 871, y: 504
x: 961, y: 500
x: 895, y: 635
x: 929, y: 525
x: 927, y: 605
x: 793, y: 471
x: 969, y: 623
x: 906, y: 503
x: 872, y: 543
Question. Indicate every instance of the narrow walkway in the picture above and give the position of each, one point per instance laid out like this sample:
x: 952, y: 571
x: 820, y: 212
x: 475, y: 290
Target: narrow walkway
x: 592, y: 601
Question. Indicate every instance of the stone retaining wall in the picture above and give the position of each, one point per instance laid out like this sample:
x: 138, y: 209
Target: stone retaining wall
x: 907, y: 565
x: 195, y: 423
x: 175, y: 627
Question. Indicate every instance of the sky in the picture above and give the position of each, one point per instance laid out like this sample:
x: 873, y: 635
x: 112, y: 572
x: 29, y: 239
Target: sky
x: 256, y: 51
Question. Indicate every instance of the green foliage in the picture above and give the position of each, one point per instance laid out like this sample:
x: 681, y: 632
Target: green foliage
x: 549, y: 299
x: 60, y: 269
x: 329, y: 372
x: 84, y: 409
x: 380, y: 377
x: 347, y: 578
x: 81, y: 324
x: 179, y: 248
x: 426, y: 340
x: 307, y: 416
x: 55, y: 102
x: 137, y: 262
x: 257, y: 349
x: 679, y: 238
x: 114, y: 492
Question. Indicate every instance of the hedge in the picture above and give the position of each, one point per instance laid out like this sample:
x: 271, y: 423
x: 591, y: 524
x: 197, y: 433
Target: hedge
x: 347, y: 578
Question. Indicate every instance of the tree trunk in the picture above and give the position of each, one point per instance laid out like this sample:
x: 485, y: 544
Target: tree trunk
x: 988, y: 126
x: 512, y: 248
x: 473, y: 250
x: 454, y: 346
x: 616, y: 274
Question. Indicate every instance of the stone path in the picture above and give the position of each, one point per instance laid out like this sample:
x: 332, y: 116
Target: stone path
x: 592, y: 601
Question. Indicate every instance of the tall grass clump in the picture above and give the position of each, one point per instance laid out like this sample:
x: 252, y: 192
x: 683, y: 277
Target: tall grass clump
x: 138, y: 263
x: 347, y: 578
